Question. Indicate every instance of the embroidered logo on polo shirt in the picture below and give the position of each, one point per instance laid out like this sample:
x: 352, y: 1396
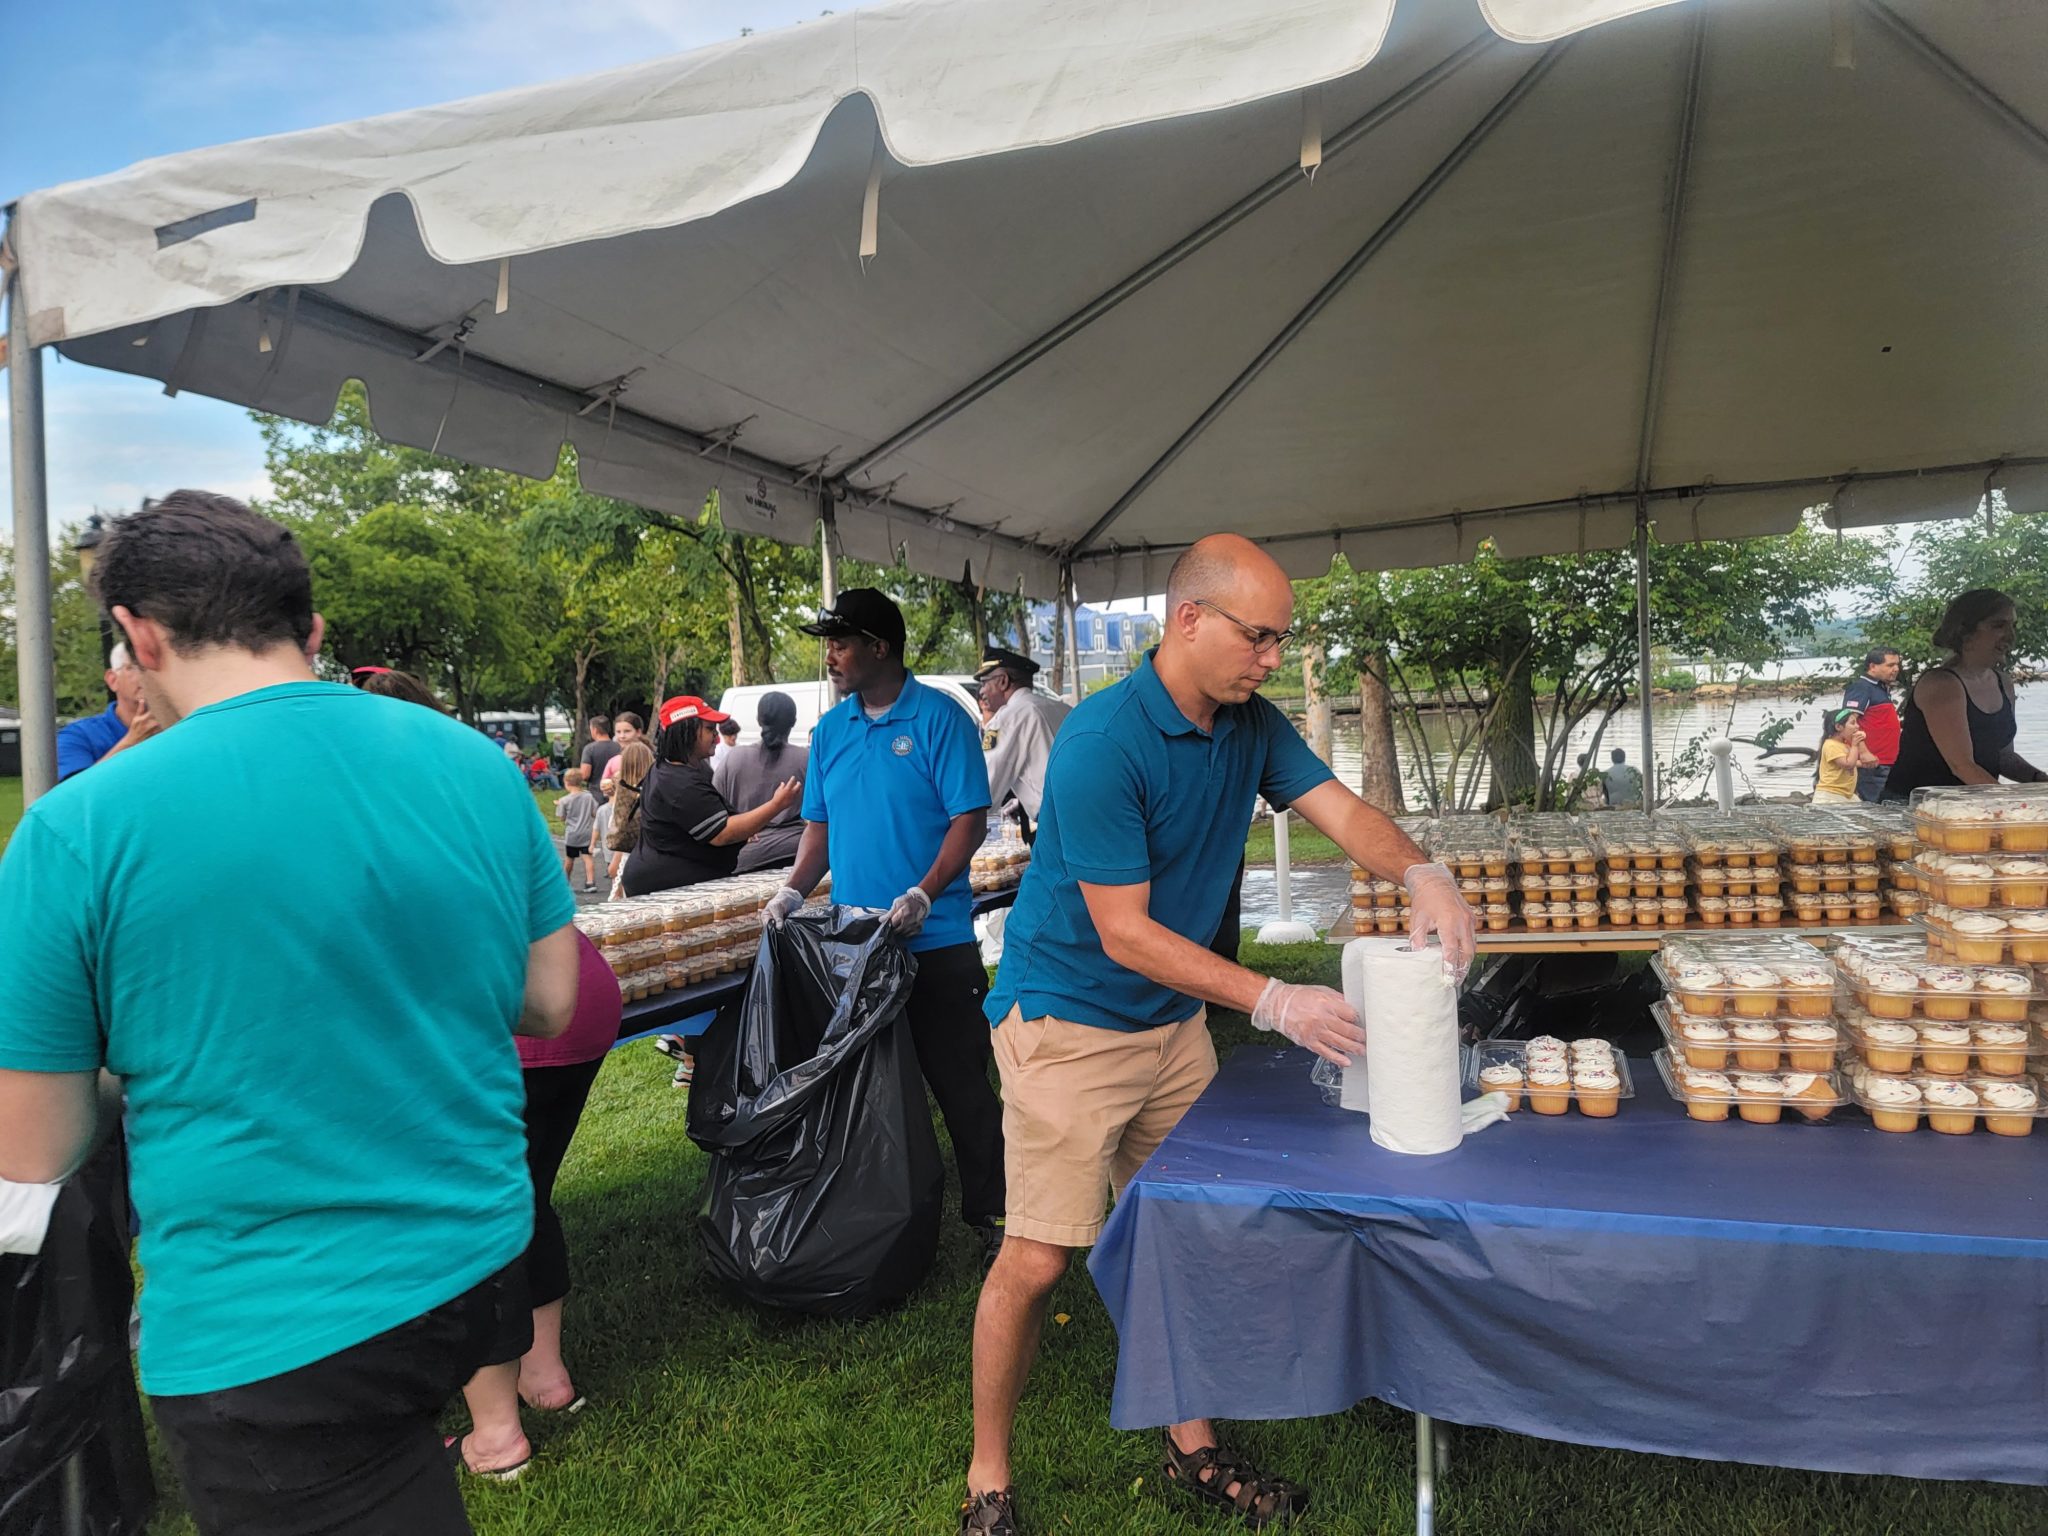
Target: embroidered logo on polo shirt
x: 900, y: 746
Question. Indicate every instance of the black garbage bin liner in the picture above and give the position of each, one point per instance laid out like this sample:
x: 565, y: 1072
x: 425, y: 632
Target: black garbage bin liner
x: 826, y: 1186
x: 67, y: 1387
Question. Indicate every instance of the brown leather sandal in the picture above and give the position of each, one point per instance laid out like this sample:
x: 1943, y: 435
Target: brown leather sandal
x: 1210, y: 1474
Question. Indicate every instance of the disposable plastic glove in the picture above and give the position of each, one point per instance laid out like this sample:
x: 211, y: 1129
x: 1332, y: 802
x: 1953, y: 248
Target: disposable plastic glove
x: 1316, y: 1017
x: 1435, y: 907
x: 781, y: 904
x: 908, y: 912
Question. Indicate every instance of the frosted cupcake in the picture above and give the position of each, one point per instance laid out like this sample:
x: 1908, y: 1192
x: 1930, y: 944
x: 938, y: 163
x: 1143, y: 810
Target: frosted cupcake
x: 1756, y: 1046
x: 1889, y: 991
x: 1967, y: 883
x: 1810, y: 1094
x: 2008, y: 1108
x: 1741, y: 908
x: 1586, y: 913
x: 1756, y: 990
x: 1707, y: 1095
x: 1812, y: 1046
x: 1621, y: 911
x: 1760, y: 1097
x: 1809, y: 990
x: 1888, y: 1045
x: 1503, y: 1077
x: 1945, y: 1048
x: 1978, y: 937
x: 1946, y: 992
x: 2023, y: 826
x: 1951, y: 1108
x: 1706, y: 1043
x: 2003, y: 995
x: 2030, y: 937
x: 1549, y: 1089
x: 2023, y: 882
x: 1671, y: 910
x: 2001, y: 1048
x: 1893, y: 1102
x: 1714, y: 910
x: 1598, y: 1089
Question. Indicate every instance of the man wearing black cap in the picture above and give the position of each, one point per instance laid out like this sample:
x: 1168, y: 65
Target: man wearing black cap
x: 895, y: 804
x: 1018, y: 724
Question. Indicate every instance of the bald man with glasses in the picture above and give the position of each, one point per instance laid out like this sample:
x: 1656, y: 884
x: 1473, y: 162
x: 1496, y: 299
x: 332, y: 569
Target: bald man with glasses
x: 1100, y: 1008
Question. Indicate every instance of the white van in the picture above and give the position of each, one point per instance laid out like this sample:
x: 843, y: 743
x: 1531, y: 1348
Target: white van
x: 814, y: 697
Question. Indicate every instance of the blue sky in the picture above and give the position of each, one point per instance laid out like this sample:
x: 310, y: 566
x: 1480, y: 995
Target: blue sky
x: 116, y: 81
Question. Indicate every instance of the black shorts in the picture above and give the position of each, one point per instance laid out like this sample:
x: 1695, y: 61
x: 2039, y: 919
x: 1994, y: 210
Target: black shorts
x: 348, y: 1443
x: 579, y: 850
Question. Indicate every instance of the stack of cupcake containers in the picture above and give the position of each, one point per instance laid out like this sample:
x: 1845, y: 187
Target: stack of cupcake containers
x: 1735, y: 873
x: 1643, y: 862
x: 1942, y: 1028
x: 1549, y: 1075
x: 1750, y: 1026
x: 1831, y: 872
x: 1892, y: 826
x: 675, y: 939
x: 1378, y: 903
x: 1475, y: 849
x: 1556, y: 870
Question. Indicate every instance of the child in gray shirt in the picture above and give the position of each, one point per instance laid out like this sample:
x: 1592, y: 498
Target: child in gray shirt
x: 578, y: 810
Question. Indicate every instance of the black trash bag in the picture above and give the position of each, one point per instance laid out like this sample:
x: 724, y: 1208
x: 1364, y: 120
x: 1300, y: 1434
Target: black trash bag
x: 826, y: 1186
x: 66, y: 1386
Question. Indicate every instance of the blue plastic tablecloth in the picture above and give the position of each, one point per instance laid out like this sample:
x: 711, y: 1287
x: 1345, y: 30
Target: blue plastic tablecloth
x: 1823, y: 1296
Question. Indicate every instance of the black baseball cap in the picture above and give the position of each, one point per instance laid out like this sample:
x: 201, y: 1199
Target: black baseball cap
x: 860, y: 611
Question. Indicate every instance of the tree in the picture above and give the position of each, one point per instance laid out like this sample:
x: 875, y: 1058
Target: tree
x: 1509, y: 657
x: 74, y: 618
x: 1950, y: 558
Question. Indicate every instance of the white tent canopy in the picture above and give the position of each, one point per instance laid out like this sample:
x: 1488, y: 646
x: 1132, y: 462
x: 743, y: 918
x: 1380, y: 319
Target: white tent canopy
x: 1037, y: 286
x: 1724, y: 259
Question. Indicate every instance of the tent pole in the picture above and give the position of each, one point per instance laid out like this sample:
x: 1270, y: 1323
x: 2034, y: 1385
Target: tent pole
x: 1377, y: 242
x: 828, y: 557
x: 34, y: 638
x: 1958, y: 76
x: 1166, y: 260
x: 1643, y: 653
x: 1073, y: 634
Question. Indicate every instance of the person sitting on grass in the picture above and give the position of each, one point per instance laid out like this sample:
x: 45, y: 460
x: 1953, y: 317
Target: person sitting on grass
x: 578, y: 810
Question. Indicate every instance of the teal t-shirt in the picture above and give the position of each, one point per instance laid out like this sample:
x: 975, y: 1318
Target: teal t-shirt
x: 297, y: 924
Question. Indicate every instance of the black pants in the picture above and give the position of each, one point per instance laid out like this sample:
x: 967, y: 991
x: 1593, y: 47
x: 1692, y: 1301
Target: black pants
x: 554, y: 1103
x: 345, y: 1446
x: 953, y: 1051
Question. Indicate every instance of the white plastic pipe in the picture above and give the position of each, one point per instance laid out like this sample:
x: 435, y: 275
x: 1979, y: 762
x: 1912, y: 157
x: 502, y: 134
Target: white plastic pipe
x: 1720, y: 748
x: 1284, y: 930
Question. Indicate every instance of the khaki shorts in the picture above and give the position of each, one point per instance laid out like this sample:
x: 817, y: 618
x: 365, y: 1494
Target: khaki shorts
x: 1083, y: 1107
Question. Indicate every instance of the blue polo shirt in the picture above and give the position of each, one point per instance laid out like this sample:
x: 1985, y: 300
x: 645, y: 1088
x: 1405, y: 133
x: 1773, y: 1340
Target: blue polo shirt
x: 84, y: 742
x: 1136, y: 792
x: 886, y: 790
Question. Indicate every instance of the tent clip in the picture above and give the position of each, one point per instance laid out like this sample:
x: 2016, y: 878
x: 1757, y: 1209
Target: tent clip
x: 458, y: 334
x: 724, y: 437
x: 608, y: 392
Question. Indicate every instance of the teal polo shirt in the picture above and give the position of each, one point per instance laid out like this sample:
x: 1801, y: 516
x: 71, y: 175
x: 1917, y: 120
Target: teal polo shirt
x: 296, y: 923
x: 1135, y: 792
x: 886, y: 790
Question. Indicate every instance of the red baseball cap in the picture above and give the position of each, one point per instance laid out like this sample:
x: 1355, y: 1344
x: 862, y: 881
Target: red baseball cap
x: 687, y: 706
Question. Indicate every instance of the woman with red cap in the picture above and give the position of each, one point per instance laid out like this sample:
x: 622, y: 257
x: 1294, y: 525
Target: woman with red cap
x: 688, y: 831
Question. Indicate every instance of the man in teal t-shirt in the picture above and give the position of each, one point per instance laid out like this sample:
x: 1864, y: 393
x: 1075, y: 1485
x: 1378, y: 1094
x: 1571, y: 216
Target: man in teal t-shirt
x: 309, y: 990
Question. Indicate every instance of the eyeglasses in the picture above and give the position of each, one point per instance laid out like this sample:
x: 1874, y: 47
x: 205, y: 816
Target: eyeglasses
x: 1261, y: 639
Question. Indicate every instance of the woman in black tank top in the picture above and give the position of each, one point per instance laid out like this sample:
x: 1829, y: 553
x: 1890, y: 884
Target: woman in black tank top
x: 1960, y: 721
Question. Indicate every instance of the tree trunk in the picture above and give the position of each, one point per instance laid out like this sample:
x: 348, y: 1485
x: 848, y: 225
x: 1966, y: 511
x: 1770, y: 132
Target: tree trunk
x: 735, y: 634
x: 1315, y: 700
x: 1379, y: 767
x: 1511, y: 731
x: 581, y: 735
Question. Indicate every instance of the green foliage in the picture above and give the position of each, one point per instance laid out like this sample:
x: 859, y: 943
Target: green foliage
x: 1467, y: 637
x: 1954, y: 557
x: 1675, y: 680
x: 75, y: 621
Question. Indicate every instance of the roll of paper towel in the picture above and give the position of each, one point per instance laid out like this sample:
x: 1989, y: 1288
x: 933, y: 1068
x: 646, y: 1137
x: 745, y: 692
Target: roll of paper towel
x: 1410, y: 1012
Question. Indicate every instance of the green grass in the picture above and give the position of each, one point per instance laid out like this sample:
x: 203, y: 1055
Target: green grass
x: 10, y: 808
x: 709, y: 1417
x: 1305, y: 845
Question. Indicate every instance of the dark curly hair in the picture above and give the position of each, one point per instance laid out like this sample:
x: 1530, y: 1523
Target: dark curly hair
x: 210, y: 571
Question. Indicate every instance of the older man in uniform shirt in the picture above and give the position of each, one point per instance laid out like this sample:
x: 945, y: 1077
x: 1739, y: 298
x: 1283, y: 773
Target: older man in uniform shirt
x: 895, y: 804
x: 1018, y: 724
